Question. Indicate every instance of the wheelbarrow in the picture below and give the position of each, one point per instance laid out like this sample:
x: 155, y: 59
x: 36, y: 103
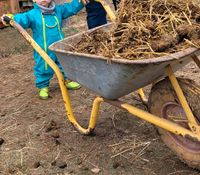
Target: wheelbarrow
x: 174, y: 104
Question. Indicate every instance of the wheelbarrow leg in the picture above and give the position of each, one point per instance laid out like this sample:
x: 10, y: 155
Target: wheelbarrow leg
x: 191, y: 119
x: 196, y: 60
x: 93, y: 117
x: 142, y: 96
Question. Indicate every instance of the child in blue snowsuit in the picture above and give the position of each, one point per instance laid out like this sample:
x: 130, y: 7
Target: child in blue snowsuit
x: 45, y: 20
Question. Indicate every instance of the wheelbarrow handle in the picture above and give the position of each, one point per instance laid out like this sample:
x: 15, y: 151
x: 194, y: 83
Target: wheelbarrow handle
x: 61, y: 81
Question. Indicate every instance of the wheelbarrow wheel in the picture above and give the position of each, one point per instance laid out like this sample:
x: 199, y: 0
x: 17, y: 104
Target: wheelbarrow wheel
x: 163, y: 102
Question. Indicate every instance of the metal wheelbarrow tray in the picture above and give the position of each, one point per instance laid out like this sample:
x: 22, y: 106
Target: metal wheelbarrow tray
x: 121, y: 76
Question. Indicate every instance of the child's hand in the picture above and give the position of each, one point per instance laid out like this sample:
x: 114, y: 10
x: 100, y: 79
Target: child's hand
x: 2, y: 20
x: 8, y: 15
x: 84, y: 1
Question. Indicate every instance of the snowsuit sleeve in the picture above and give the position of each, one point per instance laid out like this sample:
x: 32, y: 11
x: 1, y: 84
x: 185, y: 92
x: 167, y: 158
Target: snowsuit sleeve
x: 70, y: 9
x: 24, y: 19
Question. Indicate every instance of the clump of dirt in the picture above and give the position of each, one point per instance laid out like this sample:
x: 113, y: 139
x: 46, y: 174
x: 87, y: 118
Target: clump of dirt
x: 146, y: 29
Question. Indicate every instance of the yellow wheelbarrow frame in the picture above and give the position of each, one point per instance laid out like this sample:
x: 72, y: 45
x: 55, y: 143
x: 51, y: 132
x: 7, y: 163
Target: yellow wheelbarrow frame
x: 160, y: 122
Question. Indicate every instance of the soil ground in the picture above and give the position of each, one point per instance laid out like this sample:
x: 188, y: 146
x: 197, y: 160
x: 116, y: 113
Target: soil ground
x: 37, y: 139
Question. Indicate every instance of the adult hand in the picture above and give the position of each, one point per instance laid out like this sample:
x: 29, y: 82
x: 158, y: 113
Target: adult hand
x: 85, y: 1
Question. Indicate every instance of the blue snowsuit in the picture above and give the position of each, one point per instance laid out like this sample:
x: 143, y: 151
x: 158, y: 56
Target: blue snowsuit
x: 47, y: 29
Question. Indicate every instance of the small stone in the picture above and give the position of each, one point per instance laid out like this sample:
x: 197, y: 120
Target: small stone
x: 71, y: 171
x: 55, y: 135
x: 36, y: 164
x: 79, y: 162
x: 195, y: 71
x: 71, y: 149
x: 53, y: 163
x: 3, y: 114
x: 115, y: 165
x: 51, y: 126
x: 12, y: 170
x: 53, y: 123
x: 44, y: 115
x: 95, y: 170
x: 22, y: 145
x: 83, y: 168
x: 37, y: 117
x: 62, y: 165
x: 57, y: 142
x: 1, y: 141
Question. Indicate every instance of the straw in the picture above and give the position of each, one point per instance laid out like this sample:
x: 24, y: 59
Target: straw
x: 146, y: 29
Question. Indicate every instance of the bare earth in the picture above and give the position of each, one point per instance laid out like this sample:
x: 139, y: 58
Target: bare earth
x: 37, y: 139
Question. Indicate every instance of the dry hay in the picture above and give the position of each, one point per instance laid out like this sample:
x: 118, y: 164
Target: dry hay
x: 146, y: 29
x: 132, y: 149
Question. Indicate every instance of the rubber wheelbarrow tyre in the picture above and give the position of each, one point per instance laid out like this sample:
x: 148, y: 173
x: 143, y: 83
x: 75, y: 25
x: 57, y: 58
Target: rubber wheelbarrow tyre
x: 162, y: 102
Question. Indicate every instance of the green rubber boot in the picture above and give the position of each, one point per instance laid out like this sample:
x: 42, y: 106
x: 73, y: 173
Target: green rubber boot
x: 44, y: 93
x: 72, y: 85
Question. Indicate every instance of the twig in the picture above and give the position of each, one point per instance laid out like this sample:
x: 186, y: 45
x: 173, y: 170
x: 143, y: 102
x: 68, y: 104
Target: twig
x: 141, y: 152
x: 187, y: 18
x: 181, y: 171
x: 121, y: 153
x: 90, y: 150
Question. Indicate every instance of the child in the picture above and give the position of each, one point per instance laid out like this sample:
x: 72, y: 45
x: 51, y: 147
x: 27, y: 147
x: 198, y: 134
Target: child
x: 45, y: 20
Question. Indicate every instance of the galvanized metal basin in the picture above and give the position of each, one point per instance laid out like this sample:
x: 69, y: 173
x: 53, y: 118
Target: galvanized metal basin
x: 121, y: 76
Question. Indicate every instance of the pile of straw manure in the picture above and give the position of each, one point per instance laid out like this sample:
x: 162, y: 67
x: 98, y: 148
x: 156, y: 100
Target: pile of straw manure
x: 146, y: 29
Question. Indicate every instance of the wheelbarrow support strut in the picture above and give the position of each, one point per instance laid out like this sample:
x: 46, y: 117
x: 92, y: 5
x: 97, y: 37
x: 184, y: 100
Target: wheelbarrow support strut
x: 196, y: 60
x: 160, y: 122
x: 191, y: 119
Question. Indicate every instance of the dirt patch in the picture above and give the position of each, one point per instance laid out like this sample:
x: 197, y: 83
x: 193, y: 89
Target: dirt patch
x: 8, y: 37
x: 37, y: 139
